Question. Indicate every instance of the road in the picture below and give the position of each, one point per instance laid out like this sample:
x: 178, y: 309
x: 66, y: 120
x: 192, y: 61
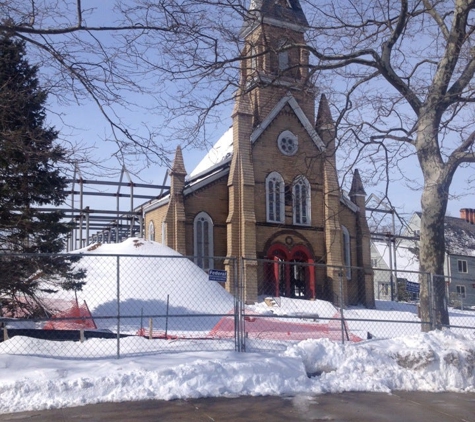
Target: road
x: 345, y: 407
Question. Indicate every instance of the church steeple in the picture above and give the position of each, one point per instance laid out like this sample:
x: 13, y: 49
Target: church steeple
x: 281, y: 13
x: 275, y: 60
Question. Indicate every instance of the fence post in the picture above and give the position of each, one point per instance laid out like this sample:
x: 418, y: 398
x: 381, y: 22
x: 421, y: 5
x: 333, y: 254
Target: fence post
x: 118, y: 305
x: 237, y: 316
x: 166, y: 319
x: 238, y: 279
x: 431, y: 301
x: 340, y: 275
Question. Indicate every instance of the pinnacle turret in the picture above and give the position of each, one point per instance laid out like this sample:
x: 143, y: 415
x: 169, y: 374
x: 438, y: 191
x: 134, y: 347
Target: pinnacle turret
x: 357, y: 188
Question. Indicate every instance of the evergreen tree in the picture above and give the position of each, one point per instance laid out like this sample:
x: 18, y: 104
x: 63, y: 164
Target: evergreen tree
x: 30, y: 177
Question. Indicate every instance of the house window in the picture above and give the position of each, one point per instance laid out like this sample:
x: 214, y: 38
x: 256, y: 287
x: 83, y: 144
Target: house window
x: 374, y: 262
x: 462, y: 266
x: 275, y: 198
x: 384, y: 289
x: 151, y: 231
x: 346, y: 251
x: 461, y: 291
x: 301, y: 201
x: 203, y: 236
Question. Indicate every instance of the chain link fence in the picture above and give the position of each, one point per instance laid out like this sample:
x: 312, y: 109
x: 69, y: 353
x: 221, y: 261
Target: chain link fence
x: 147, y: 304
x: 134, y: 305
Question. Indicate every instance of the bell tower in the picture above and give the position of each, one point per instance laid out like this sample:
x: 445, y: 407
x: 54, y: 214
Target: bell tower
x: 274, y: 63
x: 275, y: 58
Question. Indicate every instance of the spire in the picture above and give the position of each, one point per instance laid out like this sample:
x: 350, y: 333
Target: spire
x: 325, y: 126
x: 242, y: 104
x: 175, y: 217
x: 357, y: 188
x: 324, y: 115
x: 281, y: 13
x: 178, y: 167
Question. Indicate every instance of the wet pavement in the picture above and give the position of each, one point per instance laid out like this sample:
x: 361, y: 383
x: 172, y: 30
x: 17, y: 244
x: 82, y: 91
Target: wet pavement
x: 365, y: 407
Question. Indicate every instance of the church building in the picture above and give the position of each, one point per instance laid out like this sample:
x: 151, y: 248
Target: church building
x: 267, y: 193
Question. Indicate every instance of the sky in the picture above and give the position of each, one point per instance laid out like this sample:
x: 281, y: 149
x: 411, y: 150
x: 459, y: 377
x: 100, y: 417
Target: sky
x: 83, y: 123
x: 38, y: 374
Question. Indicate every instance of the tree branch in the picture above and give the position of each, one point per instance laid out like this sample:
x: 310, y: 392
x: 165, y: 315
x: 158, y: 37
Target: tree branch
x: 437, y: 18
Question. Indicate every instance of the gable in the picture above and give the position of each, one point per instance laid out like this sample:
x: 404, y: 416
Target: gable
x: 292, y: 102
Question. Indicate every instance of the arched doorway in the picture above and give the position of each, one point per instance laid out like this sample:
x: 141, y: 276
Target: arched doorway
x: 291, y: 273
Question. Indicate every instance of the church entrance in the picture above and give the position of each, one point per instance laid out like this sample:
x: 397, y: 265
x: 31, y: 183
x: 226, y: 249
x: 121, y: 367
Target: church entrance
x: 291, y: 274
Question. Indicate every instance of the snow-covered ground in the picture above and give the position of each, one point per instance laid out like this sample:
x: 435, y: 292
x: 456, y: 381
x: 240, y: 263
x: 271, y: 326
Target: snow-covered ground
x: 438, y: 361
x: 38, y: 374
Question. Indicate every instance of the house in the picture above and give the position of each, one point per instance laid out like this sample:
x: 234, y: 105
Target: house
x: 395, y: 264
x: 267, y: 193
x: 459, y: 266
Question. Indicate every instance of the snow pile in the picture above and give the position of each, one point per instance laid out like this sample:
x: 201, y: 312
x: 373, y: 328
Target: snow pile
x: 438, y: 361
x: 147, y: 284
x: 287, y: 306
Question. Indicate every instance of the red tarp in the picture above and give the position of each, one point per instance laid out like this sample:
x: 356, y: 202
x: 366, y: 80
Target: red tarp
x: 282, y: 329
x: 78, y: 318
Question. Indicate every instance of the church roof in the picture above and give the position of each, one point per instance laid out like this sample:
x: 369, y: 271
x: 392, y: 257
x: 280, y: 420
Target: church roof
x: 282, y: 13
x: 221, y: 152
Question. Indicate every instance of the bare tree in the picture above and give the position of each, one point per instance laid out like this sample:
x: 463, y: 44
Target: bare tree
x: 135, y: 56
x: 407, y: 72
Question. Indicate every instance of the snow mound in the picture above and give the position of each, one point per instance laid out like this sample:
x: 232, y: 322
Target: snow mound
x: 145, y: 276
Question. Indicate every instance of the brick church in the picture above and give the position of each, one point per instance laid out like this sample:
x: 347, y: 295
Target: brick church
x: 268, y: 190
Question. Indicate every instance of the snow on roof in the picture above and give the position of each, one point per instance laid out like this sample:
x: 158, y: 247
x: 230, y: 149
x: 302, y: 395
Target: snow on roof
x: 222, y: 150
x: 459, y: 236
x: 406, y: 259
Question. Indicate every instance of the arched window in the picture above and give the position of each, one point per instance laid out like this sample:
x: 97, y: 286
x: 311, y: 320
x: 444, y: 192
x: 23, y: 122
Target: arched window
x: 151, y: 231
x: 253, y: 54
x: 301, y: 201
x: 203, y: 240
x: 346, y: 251
x: 275, y: 198
x: 283, y: 56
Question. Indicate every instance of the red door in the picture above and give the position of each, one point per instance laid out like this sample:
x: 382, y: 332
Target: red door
x: 293, y: 274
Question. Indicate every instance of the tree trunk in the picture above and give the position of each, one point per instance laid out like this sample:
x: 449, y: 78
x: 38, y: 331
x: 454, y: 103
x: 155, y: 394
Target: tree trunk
x: 434, y: 312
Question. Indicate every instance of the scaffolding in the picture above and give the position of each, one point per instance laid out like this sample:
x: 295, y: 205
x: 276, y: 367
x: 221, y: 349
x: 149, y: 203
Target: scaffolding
x: 90, y: 225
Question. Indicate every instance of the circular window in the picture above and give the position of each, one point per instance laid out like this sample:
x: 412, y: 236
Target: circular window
x: 287, y: 143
